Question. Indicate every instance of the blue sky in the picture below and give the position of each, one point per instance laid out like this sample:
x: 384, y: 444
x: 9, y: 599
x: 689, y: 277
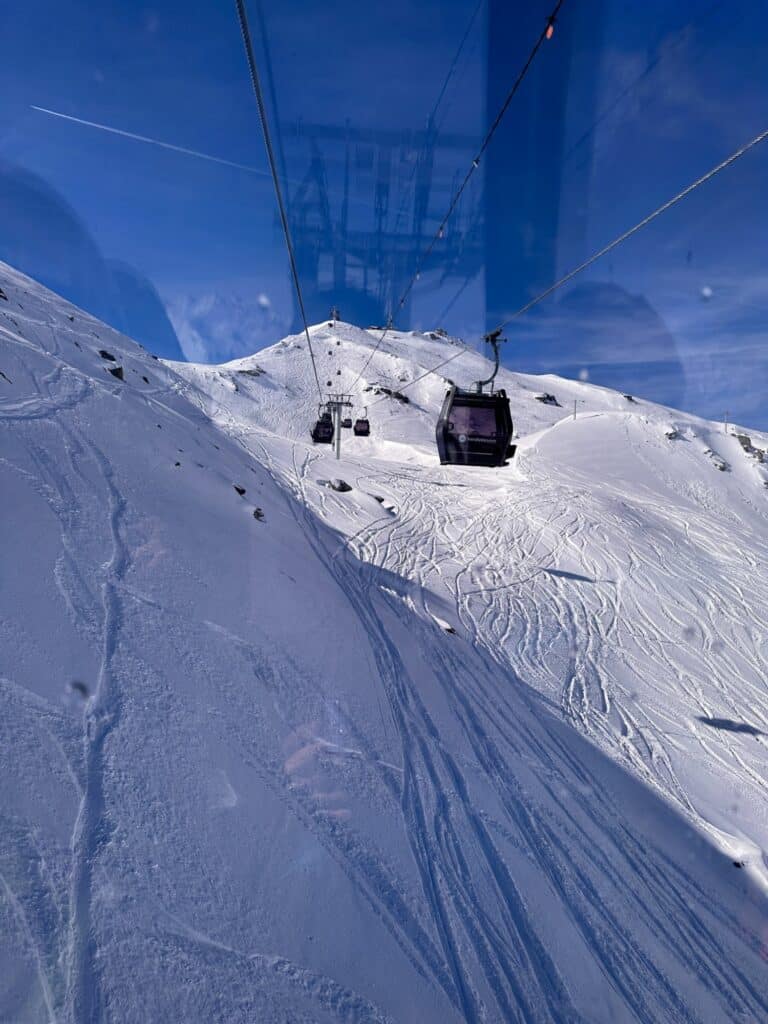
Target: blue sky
x: 642, y: 98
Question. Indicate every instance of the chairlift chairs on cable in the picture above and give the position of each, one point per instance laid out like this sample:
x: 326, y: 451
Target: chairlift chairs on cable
x: 362, y: 426
x: 322, y: 432
x: 475, y: 427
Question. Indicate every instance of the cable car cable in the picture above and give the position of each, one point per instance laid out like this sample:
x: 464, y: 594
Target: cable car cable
x: 256, y: 83
x: 455, y: 61
x: 463, y: 352
x: 436, y: 106
x: 546, y: 33
x: 462, y: 288
x: 606, y: 249
x: 655, y: 62
x: 641, y: 224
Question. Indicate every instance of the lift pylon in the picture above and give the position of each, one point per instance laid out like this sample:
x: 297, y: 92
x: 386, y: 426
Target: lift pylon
x: 336, y: 403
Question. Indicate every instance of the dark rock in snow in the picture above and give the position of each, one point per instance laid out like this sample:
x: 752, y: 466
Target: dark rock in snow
x: 78, y: 687
x: 338, y: 484
x: 546, y: 399
x: 3, y: 295
x: 746, y: 443
x: 718, y: 460
x: 107, y: 355
x: 380, y: 389
x: 385, y: 503
x: 177, y: 463
x: 5, y: 377
x: 258, y: 515
x: 117, y: 371
x: 630, y: 398
x: 240, y: 490
x: 145, y: 379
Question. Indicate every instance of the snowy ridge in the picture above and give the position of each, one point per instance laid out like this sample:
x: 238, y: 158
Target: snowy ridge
x: 456, y: 745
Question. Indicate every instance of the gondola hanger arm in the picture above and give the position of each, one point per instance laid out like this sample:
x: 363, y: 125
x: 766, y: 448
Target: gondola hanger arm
x: 494, y: 339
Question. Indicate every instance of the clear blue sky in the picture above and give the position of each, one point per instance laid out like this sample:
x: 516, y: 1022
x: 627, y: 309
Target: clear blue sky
x: 652, y: 95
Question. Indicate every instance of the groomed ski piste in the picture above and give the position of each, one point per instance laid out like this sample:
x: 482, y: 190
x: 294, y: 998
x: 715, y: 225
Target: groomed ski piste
x: 452, y: 745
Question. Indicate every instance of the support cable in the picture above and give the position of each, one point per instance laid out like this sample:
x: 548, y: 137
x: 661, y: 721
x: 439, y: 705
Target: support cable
x: 255, y: 82
x: 546, y: 33
x: 660, y: 57
x: 431, y: 120
x: 455, y: 61
x: 606, y: 249
x: 640, y: 224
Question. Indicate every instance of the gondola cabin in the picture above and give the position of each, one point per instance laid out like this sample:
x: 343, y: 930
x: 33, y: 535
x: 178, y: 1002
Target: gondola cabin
x: 322, y: 432
x: 347, y: 423
x: 362, y: 427
x: 474, y: 429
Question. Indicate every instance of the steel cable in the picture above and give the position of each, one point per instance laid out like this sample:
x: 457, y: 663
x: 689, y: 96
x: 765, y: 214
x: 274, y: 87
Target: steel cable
x: 607, y: 248
x: 546, y: 33
x: 255, y: 82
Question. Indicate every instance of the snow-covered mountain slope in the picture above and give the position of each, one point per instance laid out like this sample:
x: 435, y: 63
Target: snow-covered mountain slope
x: 455, y: 745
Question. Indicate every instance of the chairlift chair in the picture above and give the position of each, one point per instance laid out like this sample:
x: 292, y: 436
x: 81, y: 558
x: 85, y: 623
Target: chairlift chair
x: 475, y: 427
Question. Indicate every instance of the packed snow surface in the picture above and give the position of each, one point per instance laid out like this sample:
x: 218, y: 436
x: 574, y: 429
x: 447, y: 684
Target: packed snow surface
x: 452, y: 745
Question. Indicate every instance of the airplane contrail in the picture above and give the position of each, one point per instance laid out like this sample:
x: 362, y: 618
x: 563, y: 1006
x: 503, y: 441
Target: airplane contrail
x: 153, y: 142
x: 182, y: 149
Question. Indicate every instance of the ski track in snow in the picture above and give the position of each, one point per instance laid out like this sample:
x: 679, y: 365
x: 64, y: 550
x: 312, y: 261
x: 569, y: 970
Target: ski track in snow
x: 411, y: 548
x: 620, y: 955
x: 103, y: 709
x: 101, y: 717
x: 543, y: 650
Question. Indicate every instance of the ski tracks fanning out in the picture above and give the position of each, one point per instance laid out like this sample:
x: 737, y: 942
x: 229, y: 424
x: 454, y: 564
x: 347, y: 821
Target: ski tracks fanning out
x: 499, y: 563
x: 436, y: 839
